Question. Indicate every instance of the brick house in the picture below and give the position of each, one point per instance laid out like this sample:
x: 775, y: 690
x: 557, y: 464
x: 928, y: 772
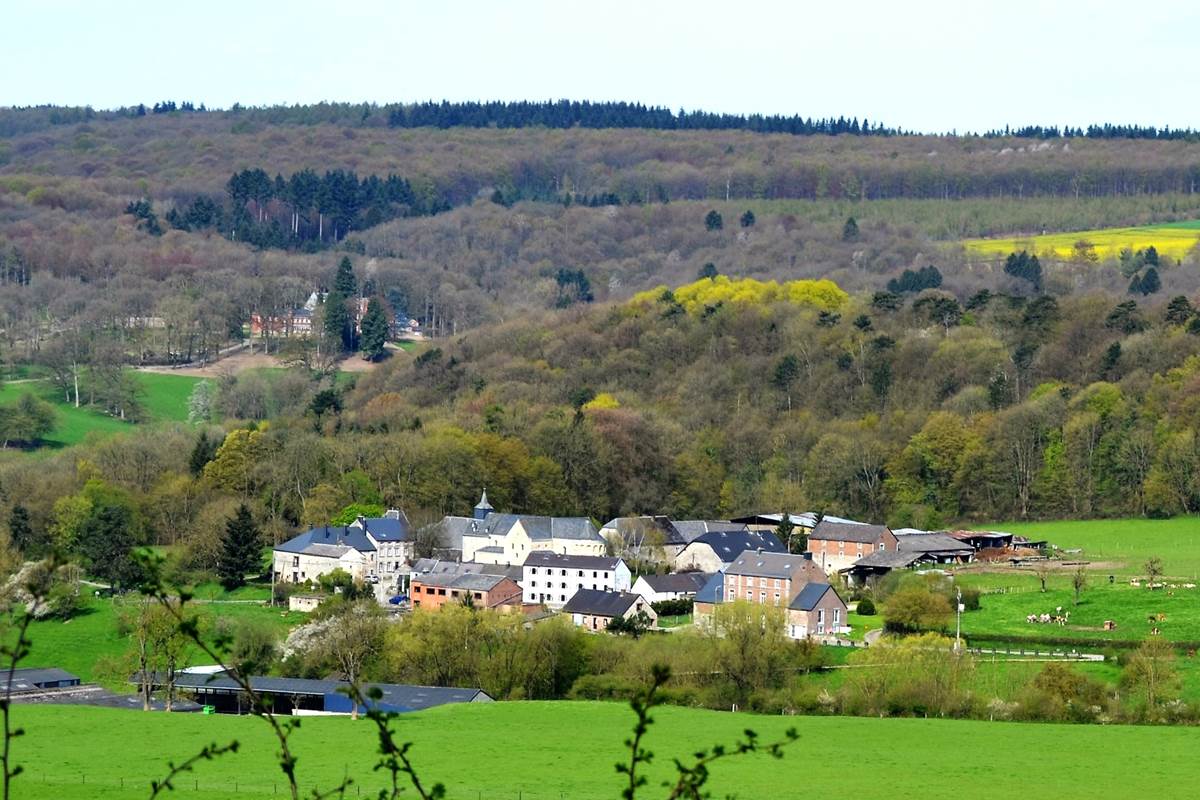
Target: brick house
x: 434, y: 590
x: 592, y: 610
x: 837, y: 545
x: 769, y: 578
x: 816, y: 611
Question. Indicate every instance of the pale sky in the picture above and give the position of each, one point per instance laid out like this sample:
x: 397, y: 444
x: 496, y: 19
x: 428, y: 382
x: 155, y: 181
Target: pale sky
x: 930, y: 65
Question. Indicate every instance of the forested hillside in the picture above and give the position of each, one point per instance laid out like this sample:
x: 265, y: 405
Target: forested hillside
x: 889, y: 375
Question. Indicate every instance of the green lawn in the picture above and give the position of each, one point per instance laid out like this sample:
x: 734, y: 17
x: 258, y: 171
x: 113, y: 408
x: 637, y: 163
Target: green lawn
x: 1129, y: 607
x: 555, y: 751
x: 82, y: 644
x: 1129, y: 542
x: 164, y: 398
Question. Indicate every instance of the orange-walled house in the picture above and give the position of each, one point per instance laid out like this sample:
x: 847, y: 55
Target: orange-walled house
x: 433, y: 590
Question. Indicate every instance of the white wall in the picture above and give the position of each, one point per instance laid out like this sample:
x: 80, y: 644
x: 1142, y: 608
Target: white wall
x: 554, y: 586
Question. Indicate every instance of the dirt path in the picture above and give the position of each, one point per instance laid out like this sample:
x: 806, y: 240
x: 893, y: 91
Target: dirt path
x: 244, y: 360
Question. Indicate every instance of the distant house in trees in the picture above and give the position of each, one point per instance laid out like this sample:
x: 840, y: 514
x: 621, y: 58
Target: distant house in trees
x: 714, y: 551
x: 593, y: 610
x: 552, y: 578
x: 644, y: 539
x: 298, y: 322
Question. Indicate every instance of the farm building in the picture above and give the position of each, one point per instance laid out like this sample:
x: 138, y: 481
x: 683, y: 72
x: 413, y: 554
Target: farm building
x: 816, y: 611
x: 306, y: 696
x: 434, y: 590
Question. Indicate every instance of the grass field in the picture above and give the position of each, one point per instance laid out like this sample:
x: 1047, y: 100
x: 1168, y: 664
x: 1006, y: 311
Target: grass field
x: 1125, y: 543
x: 81, y: 644
x: 566, y: 751
x: 164, y: 398
x: 1174, y: 239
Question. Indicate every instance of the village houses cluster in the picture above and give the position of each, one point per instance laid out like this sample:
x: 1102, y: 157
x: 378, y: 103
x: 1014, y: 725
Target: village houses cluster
x: 536, y: 565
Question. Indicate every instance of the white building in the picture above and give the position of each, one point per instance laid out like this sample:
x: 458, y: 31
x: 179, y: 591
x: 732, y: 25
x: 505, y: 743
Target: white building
x: 675, y: 586
x: 511, y: 538
x: 552, y: 578
x: 370, y: 548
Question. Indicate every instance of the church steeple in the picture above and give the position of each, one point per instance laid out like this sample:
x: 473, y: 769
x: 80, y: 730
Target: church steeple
x: 483, y: 507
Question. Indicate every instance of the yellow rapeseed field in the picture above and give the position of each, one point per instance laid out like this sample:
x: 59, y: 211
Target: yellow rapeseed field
x: 1172, y: 241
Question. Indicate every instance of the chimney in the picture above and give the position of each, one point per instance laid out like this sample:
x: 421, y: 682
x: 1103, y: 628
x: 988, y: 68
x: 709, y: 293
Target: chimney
x: 392, y: 513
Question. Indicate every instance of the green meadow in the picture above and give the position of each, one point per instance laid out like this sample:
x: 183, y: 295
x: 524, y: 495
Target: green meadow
x: 89, y: 641
x: 566, y: 750
x: 1124, y: 544
x: 164, y: 398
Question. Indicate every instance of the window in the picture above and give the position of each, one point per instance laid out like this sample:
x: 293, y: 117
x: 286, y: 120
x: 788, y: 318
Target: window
x: 533, y: 584
x: 442, y: 592
x: 732, y: 594
x: 882, y: 547
x: 749, y: 595
x: 533, y: 570
x: 564, y: 584
x: 762, y: 596
x: 820, y: 620
x: 606, y: 575
x: 837, y: 617
x: 564, y: 572
x: 595, y: 574
x: 581, y: 573
x: 777, y: 583
x: 749, y: 581
x: 777, y: 598
x: 295, y: 561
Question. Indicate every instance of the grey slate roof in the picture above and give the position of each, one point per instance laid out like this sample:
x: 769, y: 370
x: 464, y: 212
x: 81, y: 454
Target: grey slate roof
x: 767, y: 565
x: 387, y: 529
x: 809, y: 596
x: 600, y: 603
x: 932, y: 543
x: 847, y: 531
x: 691, y: 529
x: 335, y: 536
x: 677, y: 581
x: 404, y: 696
x: 28, y: 680
x: 545, y: 558
x: 631, y: 527
x: 426, y: 566
x: 728, y: 545
x: 713, y: 591
x: 542, y: 528
x: 467, y: 581
x: 891, y: 559
x: 453, y: 529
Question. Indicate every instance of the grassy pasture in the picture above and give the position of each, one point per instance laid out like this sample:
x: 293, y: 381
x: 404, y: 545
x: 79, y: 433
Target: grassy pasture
x: 164, y: 398
x: 1174, y: 240
x: 81, y: 645
x: 566, y: 750
x: 1124, y: 544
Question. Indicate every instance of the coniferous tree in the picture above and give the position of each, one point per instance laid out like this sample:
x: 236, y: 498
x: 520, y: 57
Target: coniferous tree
x: 1179, y: 310
x: 375, y: 330
x: 344, y: 283
x: 713, y: 220
x: 747, y: 219
x: 339, y: 328
x: 1150, y: 282
x: 709, y: 270
x: 203, y: 452
x: 241, y: 549
x: 850, y: 230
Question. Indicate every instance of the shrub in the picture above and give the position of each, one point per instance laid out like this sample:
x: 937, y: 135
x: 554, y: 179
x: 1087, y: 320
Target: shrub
x: 673, y: 608
x: 866, y: 607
